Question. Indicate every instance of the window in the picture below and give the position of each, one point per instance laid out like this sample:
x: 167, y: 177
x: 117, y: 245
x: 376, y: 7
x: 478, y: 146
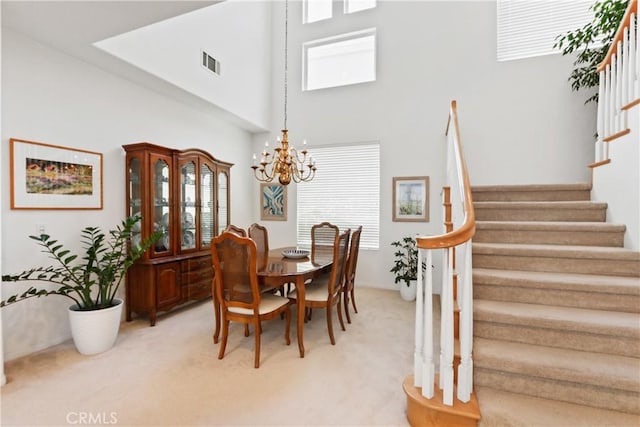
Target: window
x: 316, y: 10
x: 351, y: 6
x: 528, y: 28
x: 340, y: 60
x: 345, y: 192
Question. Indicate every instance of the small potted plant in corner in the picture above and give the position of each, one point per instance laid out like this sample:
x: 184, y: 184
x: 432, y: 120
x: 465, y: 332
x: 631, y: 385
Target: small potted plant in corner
x: 91, y: 282
x: 405, y: 267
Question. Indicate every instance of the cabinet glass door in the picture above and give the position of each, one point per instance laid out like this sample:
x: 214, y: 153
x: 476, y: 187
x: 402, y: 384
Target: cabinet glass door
x: 223, y: 201
x: 188, y: 204
x: 135, y: 199
x: 206, y: 205
x: 161, y: 203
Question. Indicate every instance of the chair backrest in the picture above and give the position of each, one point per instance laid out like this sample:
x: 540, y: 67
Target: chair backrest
x: 260, y: 236
x: 236, y: 279
x: 236, y: 230
x: 352, y: 260
x: 340, y: 251
x: 323, y: 237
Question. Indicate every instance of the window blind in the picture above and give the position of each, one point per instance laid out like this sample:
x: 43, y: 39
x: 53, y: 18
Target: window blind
x: 528, y: 28
x: 345, y: 192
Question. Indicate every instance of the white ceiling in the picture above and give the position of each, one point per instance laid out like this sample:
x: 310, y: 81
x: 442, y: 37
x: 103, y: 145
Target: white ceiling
x: 74, y: 26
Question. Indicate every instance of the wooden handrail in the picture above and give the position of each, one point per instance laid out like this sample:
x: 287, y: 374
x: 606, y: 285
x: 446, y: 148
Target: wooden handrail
x: 625, y: 23
x: 468, y: 228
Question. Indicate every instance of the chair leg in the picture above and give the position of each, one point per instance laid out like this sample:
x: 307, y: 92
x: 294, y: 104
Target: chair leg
x: 246, y: 329
x: 346, y: 306
x: 330, y: 325
x: 353, y: 300
x: 225, y: 334
x: 340, y: 314
x: 216, y: 311
x: 257, y: 333
x: 287, y: 331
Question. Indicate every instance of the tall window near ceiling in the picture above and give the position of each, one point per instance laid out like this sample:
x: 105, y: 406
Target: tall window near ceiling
x: 346, y: 193
x: 340, y: 60
x: 352, y: 6
x: 528, y: 28
x: 316, y: 10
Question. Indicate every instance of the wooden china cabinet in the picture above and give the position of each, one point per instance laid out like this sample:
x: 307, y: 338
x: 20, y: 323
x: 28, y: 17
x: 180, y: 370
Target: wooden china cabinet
x: 185, y: 195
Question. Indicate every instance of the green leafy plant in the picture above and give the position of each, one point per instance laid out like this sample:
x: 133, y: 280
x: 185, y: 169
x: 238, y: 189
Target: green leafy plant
x: 93, y: 283
x: 591, y: 42
x: 405, y: 266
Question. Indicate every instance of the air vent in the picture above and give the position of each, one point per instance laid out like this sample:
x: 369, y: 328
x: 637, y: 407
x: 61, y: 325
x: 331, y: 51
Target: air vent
x: 210, y: 63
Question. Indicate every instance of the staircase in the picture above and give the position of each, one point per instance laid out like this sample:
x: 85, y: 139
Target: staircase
x: 556, y: 309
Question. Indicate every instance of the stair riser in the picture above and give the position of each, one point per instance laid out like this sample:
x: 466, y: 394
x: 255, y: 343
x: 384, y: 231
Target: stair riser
x: 558, y: 297
x: 530, y: 196
x: 573, y: 340
x: 558, y: 265
x: 599, y: 397
x: 578, y: 238
x: 539, y: 214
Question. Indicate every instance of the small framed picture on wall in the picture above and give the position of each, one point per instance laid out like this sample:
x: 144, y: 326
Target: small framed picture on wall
x: 411, y: 199
x: 273, y: 202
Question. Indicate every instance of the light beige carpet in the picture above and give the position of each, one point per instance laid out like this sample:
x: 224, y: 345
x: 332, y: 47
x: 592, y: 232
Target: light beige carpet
x: 169, y: 375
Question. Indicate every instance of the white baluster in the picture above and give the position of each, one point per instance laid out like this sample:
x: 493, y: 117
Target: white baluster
x: 420, y: 323
x: 465, y: 298
x: 606, y: 102
x: 428, y: 372
x: 446, y: 332
x: 601, y: 111
x: 618, y: 88
x: 633, y: 66
x: 624, y: 72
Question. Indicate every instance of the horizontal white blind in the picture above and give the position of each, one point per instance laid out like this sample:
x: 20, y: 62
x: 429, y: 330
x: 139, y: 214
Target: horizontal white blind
x: 344, y: 192
x: 528, y: 28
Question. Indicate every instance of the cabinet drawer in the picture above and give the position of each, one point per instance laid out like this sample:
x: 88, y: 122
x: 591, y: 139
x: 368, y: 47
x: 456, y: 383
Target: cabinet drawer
x: 197, y: 276
x: 199, y: 290
x: 200, y: 263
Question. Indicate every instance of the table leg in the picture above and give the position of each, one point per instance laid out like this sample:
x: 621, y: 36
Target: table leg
x: 300, y: 302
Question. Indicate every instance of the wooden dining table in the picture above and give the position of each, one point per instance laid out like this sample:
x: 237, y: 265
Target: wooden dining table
x: 279, y: 270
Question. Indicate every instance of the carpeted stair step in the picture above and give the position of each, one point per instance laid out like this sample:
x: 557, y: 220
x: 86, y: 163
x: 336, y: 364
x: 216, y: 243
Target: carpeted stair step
x: 545, y: 192
x: 598, y: 380
x: 591, y: 291
x: 582, y: 211
x: 501, y: 408
x: 551, y: 233
x: 557, y: 258
x: 561, y: 327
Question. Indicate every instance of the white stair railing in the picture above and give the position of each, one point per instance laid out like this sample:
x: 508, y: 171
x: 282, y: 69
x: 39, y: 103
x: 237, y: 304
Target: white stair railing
x: 619, y: 85
x: 455, y: 243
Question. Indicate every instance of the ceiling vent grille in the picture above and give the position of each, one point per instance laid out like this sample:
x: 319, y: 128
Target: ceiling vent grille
x: 210, y: 63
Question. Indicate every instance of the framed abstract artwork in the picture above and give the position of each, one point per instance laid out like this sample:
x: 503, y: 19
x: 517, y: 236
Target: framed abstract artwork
x: 273, y: 202
x: 45, y: 176
x: 411, y: 199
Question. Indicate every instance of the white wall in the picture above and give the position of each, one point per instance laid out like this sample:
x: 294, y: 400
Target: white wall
x: 53, y: 98
x: 618, y: 183
x: 236, y: 33
x: 520, y: 121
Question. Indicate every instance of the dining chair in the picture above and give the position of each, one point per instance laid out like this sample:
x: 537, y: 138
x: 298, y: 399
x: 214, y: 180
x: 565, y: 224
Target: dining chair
x: 350, y: 272
x: 326, y: 292
x: 236, y: 285
x: 236, y: 230
x: 260, y: 236
x: 323, y: 236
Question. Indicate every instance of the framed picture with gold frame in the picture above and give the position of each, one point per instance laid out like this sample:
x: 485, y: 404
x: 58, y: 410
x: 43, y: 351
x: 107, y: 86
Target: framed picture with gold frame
x: 411, y: 199
x: 273, y: 202
x: 45, y: 176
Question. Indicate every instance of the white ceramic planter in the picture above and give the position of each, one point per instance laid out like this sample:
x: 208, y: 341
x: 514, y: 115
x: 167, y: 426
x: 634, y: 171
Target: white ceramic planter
x: 95, y: 331
x: 408, y: 293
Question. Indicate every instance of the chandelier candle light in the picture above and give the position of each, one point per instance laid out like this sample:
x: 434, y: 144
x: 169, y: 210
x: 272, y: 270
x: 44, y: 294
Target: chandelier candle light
x: 287, y: 163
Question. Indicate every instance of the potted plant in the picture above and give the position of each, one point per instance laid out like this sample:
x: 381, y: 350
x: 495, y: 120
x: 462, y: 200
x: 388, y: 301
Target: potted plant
x: 91, y: 282
x: 405, y: 267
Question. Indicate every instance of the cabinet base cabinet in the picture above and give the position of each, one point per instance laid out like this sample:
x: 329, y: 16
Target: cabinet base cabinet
x: 157, y: 287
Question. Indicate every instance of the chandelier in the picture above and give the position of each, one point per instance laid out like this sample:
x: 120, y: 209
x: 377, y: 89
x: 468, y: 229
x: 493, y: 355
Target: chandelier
x: 287, y: 163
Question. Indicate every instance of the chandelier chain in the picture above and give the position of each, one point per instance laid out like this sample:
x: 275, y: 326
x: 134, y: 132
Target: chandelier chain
x: 286, y: 68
